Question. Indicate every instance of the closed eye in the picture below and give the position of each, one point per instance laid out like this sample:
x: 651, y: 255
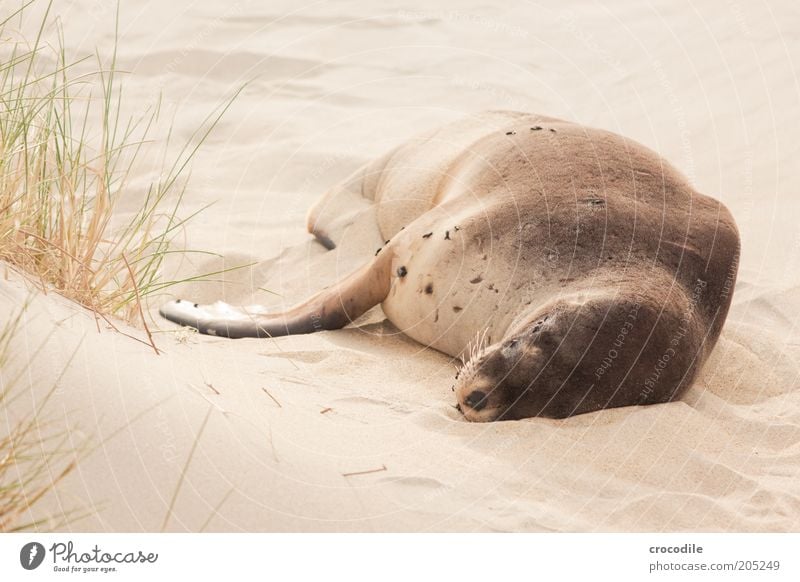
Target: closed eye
x: 509, y: 349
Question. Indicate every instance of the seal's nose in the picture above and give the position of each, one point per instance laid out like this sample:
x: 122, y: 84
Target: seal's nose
x: 476, y: 400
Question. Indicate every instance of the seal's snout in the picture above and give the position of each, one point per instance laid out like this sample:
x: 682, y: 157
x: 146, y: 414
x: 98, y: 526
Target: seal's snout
x: 476, y: 400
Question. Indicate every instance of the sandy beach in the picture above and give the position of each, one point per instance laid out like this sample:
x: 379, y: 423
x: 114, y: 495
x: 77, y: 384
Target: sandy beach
x: 356, y: 430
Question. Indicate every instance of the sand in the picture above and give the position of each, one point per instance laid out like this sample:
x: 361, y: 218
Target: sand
x: 355, y: 430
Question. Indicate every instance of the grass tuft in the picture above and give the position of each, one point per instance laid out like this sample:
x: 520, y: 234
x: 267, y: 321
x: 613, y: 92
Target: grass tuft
x: 66, y: 158
x: 60, y: 183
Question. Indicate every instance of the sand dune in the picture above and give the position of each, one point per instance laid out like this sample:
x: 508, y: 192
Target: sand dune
x: 355, y: 429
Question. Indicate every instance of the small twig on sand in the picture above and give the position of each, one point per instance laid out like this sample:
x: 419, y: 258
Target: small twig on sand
x: 382, y: 468
x: 139, y: 303
x: 271, y: 396
x: 116, y: 329
x: 324, y: 410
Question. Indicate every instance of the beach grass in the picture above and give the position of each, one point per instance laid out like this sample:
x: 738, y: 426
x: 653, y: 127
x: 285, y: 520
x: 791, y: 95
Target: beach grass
x: 66, y: 155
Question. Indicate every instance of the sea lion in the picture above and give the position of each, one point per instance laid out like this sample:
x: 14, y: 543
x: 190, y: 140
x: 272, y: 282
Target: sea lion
x: 569, y: 268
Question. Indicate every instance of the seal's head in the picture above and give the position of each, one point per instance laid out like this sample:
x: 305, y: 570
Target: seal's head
x: 547, y: 363
x: 509, y: 379
x: 579, y: 355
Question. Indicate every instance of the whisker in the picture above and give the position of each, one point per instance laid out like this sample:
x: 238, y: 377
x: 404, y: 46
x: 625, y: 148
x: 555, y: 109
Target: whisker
x: 470, y: 354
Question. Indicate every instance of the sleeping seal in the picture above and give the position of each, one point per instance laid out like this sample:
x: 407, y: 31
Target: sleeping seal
x: 569, y: 268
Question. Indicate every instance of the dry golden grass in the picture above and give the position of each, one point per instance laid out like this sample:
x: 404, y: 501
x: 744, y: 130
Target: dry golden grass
x: 62, y: 173
x: 59, y: 187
